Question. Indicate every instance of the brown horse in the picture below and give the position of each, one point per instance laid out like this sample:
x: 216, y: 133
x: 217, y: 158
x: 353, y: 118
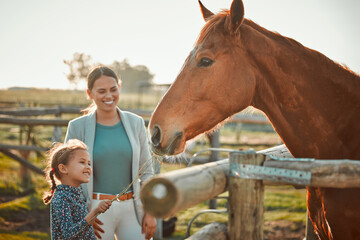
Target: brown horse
x: 312, y: 102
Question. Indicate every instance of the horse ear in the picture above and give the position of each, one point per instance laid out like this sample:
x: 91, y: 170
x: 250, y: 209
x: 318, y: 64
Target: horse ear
x: 205, y: 12
x: 236, y: 14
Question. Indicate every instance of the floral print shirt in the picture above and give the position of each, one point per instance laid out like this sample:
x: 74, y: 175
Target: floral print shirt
x: 67, y: 214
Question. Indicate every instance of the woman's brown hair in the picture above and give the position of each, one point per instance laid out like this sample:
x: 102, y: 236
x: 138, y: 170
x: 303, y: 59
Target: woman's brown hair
x: 59, y: 154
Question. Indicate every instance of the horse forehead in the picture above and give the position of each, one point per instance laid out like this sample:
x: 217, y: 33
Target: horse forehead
x: 213, y: 45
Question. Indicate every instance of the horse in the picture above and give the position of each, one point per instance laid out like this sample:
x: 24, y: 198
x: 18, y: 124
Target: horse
x: 312, y: 102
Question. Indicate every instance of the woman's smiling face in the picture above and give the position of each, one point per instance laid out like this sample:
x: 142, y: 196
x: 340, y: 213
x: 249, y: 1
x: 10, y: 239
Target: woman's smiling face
x: 105, y: 93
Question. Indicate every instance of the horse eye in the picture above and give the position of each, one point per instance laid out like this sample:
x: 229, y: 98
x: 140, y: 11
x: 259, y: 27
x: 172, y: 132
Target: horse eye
x: 205, y: 62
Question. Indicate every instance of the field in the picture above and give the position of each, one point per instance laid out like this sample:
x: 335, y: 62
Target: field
x: 23, y: 216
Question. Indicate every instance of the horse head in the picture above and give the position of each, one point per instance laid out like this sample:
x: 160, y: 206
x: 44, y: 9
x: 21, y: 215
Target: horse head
x: 215, y: 82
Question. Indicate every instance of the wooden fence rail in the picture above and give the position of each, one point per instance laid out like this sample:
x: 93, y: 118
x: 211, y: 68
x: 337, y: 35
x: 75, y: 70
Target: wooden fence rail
x: 39, y: 111
x: 22, y: 161
x: 34, y: 121
x: 24, y: 117
x: 174, y: 191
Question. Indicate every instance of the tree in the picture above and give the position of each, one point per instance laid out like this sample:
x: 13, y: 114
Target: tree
x: 132, y: 76
x: 79, y: 67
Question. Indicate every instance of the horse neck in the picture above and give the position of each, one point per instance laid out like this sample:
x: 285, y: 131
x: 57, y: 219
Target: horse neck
x: 308, y: 98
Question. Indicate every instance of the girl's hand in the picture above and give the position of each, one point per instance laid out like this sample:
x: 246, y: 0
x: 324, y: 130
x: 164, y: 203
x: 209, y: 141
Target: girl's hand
x: 148, y: 226
x: 91, y: 216
x: 103, y: 206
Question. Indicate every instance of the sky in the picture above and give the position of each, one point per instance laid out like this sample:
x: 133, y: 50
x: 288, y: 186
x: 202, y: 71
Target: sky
x: 37, y: 35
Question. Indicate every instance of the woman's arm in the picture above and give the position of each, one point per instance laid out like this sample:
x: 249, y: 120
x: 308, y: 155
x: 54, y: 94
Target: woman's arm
x: 145, y: 155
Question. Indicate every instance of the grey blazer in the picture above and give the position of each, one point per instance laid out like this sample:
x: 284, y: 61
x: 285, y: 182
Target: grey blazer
x: 83, y: 128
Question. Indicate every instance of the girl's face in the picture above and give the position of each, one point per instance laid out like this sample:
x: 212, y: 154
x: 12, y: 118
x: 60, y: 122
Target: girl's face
x: 105, y: 93
x: 78, y: 169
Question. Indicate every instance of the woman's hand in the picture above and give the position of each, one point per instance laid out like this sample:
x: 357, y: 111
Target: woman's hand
x: 92, y: 219
x: 97, y: 229
x: 148, y: 226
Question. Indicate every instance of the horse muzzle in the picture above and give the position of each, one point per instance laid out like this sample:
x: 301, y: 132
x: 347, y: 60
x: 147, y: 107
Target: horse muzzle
x: 172, y: 146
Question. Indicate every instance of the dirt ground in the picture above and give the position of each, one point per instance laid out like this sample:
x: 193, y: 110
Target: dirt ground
x: 284, y: 230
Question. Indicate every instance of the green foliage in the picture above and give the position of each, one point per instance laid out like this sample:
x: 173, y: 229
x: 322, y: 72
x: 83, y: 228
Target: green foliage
x: 32, y: 202
x: 10, y: 188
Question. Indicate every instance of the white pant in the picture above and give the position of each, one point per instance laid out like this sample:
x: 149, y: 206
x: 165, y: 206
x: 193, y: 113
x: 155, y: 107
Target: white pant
x: 120, y: 221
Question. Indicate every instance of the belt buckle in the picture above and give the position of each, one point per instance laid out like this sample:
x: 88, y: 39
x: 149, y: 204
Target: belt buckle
x: 98, y: 196
x: 123, y: 197
x: 118, y: 198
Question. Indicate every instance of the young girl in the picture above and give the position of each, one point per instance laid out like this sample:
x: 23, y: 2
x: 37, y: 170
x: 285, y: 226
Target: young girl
x: 70, y: 165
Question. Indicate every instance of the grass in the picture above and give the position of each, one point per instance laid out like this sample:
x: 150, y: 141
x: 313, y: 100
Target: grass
x: 11, y: 235
x: 285, y: 203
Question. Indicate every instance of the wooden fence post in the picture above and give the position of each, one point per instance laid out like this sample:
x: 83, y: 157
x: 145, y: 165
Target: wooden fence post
x: 24, y: 172
x: 246, y: 200
x: 214, y: 139
x: 57, y: 133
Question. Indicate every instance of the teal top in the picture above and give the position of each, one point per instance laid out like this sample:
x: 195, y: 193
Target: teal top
x: 112, y: 159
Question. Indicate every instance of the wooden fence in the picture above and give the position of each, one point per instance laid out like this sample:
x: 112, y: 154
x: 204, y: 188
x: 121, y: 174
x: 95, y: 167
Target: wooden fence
x: 242, y: 175
x: 24, y: 118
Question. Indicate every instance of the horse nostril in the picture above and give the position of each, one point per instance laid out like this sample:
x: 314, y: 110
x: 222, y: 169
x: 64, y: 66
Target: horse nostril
x: 156, y: 136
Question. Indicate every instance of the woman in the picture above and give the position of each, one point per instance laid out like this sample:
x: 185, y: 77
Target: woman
x: 118, y: 147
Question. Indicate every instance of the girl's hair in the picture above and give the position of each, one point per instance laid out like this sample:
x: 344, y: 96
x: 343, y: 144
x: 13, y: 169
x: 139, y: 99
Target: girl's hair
x: 59, y: 154
x: 94, y: 75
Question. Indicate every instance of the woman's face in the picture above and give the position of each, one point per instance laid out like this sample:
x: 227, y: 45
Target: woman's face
x: 105, y: 93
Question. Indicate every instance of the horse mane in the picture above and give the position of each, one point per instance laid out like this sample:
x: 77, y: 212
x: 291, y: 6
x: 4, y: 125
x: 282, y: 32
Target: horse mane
x: 295, y: 44
x: 272, y: 35
x: 214, y: 23
x: 221, y: 24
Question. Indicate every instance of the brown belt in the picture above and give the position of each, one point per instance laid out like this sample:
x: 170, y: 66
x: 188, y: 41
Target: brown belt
x: 99, y: 196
